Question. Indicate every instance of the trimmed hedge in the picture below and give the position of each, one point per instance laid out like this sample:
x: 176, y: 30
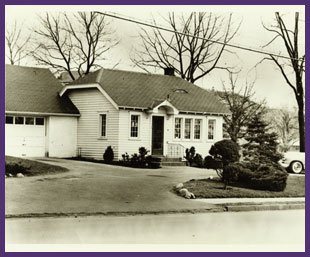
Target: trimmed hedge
x: 263, y: 177
x: 225, y: 150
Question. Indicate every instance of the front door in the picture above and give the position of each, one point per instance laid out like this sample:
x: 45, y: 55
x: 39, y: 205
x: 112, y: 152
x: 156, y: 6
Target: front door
x: 158, y: 135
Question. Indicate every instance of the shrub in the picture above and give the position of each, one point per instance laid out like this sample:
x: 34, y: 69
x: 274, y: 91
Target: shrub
x: 197, y: 161
x: 108, y: 155
x: 270, y: 177
x: 125, y: 157
x: 211, y: 163
x: 231, y: 173
x: 190, y: 154
x: 143, y: 152
x: 225, y: 150
x: 15, y: 167
x: 141, y: 160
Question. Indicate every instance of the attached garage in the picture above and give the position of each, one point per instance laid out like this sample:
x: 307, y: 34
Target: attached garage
x: 38, y: 122
x: 25, y: 136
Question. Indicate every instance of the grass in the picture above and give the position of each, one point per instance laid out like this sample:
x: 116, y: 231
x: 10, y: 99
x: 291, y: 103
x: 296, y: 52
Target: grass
x: 206, y: 188
x: 34, y: 168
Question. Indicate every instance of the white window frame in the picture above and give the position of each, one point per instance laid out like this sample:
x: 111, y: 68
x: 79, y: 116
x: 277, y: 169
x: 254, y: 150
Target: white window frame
x: 191, y: 129
x: 100, y: 125
x: 139, y: 126
x: 181, y: 128
x: 200, y: 130
x: 214, y: 129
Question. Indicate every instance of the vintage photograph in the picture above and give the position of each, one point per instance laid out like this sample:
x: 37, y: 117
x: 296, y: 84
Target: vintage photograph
x: 154, y: 128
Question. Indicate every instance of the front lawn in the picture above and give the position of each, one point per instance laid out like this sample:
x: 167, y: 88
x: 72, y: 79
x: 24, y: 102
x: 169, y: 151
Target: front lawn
x: 206, y: 188
x: 33, y: 168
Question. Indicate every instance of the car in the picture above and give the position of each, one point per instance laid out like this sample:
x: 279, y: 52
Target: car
x: 293, y: 162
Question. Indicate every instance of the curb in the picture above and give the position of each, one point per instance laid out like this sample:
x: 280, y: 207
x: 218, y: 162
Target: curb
x: 264, y: 207
x: 237, y: 207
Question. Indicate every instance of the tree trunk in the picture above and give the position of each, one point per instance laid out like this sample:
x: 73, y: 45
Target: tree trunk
x: 301, y: 115
x: 301, y: 121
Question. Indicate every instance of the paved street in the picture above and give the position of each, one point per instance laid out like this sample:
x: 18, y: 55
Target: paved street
x: 98, y: 188
x: 226, y: 231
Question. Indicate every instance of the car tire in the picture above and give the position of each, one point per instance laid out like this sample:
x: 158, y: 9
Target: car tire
x: 296, y: 167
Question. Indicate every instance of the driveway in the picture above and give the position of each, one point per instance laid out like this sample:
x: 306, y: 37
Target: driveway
x: 92, y: 188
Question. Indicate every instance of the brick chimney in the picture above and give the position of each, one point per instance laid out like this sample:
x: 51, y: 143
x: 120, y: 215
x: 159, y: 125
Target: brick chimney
x: 169, y: 71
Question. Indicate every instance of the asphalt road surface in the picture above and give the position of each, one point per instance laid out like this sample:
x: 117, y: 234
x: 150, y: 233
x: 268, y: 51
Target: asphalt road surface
x: 223, y: 231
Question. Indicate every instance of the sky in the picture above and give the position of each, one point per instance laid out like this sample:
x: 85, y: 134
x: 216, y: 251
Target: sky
x: 269, y: 83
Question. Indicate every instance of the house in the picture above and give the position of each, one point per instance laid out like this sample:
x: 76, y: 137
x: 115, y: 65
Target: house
x: 127, y: 110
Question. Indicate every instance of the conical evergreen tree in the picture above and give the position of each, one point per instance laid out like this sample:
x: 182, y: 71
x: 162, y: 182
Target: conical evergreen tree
x: 262, y: 145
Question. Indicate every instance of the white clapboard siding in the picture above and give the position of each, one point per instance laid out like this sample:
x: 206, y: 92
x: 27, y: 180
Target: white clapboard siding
x: 90, y: 103
x: 127, y: 144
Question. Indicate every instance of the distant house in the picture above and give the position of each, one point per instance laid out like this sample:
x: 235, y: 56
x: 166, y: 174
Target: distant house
x: 125, y: 110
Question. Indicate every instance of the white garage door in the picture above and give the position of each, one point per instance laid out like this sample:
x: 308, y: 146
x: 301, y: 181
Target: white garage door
x: 24, y: 136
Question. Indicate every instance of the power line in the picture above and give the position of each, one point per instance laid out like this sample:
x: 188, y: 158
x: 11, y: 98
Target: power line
x: 117, y: 16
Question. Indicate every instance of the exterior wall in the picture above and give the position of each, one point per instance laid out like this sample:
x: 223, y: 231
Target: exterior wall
x: 62, y: 136
x: 203, y: 144
x: 91, y: 103
x: 131, y: 145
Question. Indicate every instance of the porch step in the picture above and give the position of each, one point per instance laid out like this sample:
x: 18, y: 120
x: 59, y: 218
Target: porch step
x: 179, y: 163
x: 170, y: 161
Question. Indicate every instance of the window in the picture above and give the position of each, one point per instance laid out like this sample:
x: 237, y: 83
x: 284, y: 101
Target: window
x: 197, y: 128
x: 134, y: 126
x: 29, y: 121
x: 40, y: 121
x: 19, y: 120
x: 9, y: 119
x: 187, y: 129
x: 177, y: 128
x: 211, y: 129
x: 103, y: 125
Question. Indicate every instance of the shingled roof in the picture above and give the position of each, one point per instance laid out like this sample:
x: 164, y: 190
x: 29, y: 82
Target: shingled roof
x: 142, y: 90
x: 29, y: 89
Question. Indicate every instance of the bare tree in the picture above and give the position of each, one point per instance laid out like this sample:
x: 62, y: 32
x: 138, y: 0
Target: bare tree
x: 73, y: 43
x: 290, y: 38
x: 194, y: 48
x: 241, y: 105
x: 16, y: 44
x: 283, y: 122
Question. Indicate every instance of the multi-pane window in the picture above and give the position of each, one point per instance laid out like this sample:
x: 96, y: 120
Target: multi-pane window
x: 134, y: 126
x: 29, y: 121
x: 19, y: 120
x: 177, y: 128
x: 211, y: 129
x: 9, y: 119
x: 197, y: 128
x: 103, y: 125
x: 187, y: 128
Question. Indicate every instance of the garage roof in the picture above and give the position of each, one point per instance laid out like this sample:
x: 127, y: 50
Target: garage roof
x: 29, y: 89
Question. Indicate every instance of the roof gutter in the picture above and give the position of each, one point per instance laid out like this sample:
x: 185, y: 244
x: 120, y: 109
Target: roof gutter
x: 43, y: 113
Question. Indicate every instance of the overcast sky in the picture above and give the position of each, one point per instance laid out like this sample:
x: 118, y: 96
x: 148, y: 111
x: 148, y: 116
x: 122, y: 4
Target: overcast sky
x: 269, y: 85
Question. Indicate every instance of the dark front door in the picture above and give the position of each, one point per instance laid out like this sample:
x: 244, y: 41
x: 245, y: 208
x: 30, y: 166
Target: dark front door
x: 158, y: 135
